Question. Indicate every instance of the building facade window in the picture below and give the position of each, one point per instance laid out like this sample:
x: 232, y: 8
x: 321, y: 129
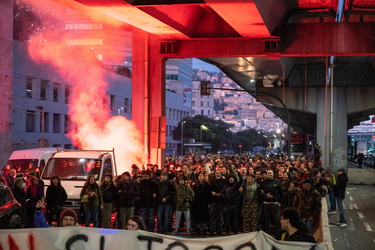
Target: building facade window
x: 56, y: 87
x: 29, y: 87
x: 43, y: 89
x: 126, y: 105
x: 66, y: 123
x: 112, y: 102
x: 30, y: 121
x: 202, y: 112
x: 67, y: 93
x: 56, y: 123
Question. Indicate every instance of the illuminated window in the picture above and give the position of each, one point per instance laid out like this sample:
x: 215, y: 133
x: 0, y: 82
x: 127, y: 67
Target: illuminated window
x: 29, y: 87
x: 100, y: 57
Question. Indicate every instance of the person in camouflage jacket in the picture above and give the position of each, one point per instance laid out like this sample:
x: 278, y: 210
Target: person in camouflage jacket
x: 184, y: 195
x: 308, y: 203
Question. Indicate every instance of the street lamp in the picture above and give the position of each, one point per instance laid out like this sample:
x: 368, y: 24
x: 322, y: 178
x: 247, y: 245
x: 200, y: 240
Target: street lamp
x: 182, y: 137
x: 202, y: 127
x: 41, y: 108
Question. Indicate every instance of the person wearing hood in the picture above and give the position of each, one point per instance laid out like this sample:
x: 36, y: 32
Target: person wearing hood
x: 308, y: 203
x: 339, y: 190
x: 231, y: 195
x: 216, y: 202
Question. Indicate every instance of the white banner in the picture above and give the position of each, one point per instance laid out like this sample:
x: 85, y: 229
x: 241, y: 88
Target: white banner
x: 81, y: 238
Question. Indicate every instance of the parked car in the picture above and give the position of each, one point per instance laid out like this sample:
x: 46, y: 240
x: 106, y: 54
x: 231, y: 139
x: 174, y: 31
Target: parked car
x: 369, y: 161
x: 10, y: 209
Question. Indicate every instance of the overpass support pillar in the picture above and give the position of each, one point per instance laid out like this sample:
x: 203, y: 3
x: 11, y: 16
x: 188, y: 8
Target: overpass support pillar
x: 148, y: 95
x: 331, y: 128
x: 6, y: 82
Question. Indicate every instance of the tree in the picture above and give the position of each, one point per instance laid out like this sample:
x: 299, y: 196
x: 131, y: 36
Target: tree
x: 218, y: 134
x: 250, y: 138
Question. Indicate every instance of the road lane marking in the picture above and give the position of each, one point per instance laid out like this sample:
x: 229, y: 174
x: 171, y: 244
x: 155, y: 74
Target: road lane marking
x: 350, y: 198
x: 361, y: 215
x: 350, y: 207
x: 347, y: 240
x: 347, y: 192
x: 355, y: 206
x: 367, y: 226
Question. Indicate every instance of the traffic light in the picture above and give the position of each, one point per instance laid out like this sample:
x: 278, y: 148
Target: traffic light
x: 205, y: 88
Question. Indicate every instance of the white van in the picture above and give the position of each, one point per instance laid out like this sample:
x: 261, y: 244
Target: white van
x: 73, y: 166
x: 37, y: 156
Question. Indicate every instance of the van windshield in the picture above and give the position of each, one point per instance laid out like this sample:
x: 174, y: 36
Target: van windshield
x: 22, y: 164
x: 72, y: 168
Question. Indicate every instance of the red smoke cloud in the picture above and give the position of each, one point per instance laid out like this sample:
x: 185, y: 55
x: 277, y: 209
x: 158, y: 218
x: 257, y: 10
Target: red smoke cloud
x: 91, y: 125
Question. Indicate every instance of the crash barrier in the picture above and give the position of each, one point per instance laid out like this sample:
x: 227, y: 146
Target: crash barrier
x: 322, y: 234
x: 112, y: 239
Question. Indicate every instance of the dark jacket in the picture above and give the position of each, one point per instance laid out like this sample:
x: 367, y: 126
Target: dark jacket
x: 20, y: 196
x: 165, y: 190
x: 216, y: 186
x: 147, y: 189
x: 199, y: 208
x: 230, y: 192
x: 340, y: 186
x: 301, y: 235
x: 129, y: 190
x: 289, y: 197
x: 55, y: 196
x: 109, y: 192
x: 274, y: 187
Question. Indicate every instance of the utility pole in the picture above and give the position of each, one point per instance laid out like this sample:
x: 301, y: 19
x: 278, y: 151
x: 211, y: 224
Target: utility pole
x: 41, y: 108
x: 182, y: 137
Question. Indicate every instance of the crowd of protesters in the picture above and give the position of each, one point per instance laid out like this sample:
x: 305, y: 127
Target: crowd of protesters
x: 205, y: 194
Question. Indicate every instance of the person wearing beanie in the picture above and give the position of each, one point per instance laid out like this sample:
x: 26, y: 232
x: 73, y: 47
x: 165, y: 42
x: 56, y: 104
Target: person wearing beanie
x: 68, y: 217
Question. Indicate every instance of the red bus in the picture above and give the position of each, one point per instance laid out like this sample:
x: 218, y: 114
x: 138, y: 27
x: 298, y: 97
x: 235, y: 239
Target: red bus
x: 299, y: 144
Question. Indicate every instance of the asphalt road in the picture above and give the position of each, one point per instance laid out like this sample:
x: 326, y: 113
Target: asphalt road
x: 359, y: 204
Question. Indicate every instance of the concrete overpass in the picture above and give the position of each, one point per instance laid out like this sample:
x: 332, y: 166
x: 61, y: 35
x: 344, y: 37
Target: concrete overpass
x: 316, y: 56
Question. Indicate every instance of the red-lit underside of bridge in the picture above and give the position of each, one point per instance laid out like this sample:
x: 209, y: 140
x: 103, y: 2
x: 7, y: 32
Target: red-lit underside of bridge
x: 265, y: 40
